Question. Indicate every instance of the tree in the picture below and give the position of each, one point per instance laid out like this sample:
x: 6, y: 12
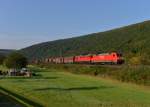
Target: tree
x: 16, y: 60
x: 2, y: 58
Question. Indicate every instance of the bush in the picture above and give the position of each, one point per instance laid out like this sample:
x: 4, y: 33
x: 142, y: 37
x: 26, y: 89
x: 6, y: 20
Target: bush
x: 136, y: 60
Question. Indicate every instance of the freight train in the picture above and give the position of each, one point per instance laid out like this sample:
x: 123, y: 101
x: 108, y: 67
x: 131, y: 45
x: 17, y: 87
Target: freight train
x: 105, y: 58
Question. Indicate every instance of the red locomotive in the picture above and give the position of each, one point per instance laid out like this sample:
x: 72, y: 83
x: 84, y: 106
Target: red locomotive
x: 105, y: 58
x: 109, y: 58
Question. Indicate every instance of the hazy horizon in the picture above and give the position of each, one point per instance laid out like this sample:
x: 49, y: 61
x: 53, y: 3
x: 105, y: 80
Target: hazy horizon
x: 24, y: 23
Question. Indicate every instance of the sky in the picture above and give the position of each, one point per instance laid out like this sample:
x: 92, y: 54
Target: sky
x: 27, y: 22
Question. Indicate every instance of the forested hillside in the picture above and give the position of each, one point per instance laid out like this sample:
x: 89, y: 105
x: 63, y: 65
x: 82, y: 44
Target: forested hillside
x: 132, y: 41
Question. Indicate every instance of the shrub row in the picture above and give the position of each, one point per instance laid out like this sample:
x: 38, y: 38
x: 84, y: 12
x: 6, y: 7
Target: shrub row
x: 134, y: 74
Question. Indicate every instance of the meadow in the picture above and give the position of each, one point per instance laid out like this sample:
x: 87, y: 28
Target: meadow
x: 54, y: 88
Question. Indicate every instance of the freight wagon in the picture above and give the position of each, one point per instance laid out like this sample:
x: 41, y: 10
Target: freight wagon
x: 82, y: 59
x: 69, y: 59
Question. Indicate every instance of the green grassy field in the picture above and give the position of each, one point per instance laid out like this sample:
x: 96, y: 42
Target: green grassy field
x: 53, y: 88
